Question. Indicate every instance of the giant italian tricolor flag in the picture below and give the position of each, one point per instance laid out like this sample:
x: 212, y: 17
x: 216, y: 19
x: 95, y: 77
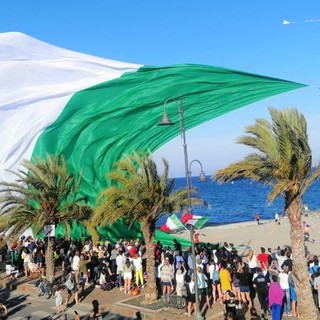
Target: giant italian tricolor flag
x: 93, y: 110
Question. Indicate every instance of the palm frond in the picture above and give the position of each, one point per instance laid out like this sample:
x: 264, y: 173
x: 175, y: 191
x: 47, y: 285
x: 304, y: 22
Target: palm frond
x: 283, y: 159
x: 43, y: 194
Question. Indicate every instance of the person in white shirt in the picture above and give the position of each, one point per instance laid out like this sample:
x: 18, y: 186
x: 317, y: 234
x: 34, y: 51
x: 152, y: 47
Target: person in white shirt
x: 191, y: 298
x: 252, y: 262
x: 181, y: 272
x: 75, y: 265
x: 26, y: 259
x: 284, y: 284
x: 213, y: 272
x: 120, y: 260
x: 281, y: 258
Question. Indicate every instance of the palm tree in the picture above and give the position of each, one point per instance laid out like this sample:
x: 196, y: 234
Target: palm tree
x: 283, y: 161
x: 138, y: 193
x: 44, y: 194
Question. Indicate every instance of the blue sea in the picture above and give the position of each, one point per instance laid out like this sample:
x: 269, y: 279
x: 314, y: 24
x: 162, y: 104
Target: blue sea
x: 240, y: 201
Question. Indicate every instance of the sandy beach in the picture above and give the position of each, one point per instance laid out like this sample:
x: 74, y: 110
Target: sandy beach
x: 268, y: 234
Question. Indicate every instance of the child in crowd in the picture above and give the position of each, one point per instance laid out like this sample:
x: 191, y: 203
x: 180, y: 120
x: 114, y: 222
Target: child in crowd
x: 58, y: 298
x: 96, y: 312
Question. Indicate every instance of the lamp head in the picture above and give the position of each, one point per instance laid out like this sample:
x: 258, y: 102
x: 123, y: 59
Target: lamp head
x: 202, y: 177
x: 165, y: 120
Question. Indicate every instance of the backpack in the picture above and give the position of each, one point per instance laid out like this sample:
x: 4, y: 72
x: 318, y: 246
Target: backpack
x: 215, y: 275
x: 70, y: 284
x: 184, y: 291
x: 236, y: 281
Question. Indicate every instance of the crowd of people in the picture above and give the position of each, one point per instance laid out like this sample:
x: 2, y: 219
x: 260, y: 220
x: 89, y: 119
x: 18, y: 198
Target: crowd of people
x: 223, y: 275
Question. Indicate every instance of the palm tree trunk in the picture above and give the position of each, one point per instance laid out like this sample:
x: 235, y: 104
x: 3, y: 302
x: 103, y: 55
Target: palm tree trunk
x: 306, y: 306
x: 49, y: 256
x: 148, y: 229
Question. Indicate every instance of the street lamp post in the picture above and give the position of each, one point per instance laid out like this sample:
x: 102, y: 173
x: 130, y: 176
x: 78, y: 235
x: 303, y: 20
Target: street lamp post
x: 167, y: 121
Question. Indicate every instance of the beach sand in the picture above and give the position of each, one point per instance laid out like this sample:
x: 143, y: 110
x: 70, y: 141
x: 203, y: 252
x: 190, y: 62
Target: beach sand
x: 268, y: 234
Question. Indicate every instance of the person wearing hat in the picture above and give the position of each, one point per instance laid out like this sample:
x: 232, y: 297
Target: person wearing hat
x: 261, y: 284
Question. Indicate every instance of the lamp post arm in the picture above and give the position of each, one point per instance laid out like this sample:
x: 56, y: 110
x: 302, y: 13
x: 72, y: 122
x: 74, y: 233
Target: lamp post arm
x: 201, y: 168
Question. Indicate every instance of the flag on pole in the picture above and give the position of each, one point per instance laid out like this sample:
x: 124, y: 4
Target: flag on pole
x: 197, y: 221
x: 173, y: 223
x: 185, y: 217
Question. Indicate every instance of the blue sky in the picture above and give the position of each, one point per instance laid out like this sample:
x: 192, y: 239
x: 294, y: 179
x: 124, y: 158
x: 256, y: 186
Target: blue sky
x: 245, y: 35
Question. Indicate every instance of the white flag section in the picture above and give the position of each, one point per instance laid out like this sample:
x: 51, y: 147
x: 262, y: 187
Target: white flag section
x: 37, y: 80
x: 173, y: 224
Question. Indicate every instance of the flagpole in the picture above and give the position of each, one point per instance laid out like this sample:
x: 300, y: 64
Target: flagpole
x: 193, y: 251
x: 166, y: 121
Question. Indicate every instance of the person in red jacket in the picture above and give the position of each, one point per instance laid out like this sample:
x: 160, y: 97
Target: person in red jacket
x: 263, y: 259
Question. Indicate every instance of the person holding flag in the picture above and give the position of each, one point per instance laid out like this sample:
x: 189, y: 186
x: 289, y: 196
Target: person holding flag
x: 196, y: 237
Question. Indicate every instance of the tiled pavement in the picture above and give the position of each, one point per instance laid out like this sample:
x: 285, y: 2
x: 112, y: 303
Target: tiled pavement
x: 111, y: 301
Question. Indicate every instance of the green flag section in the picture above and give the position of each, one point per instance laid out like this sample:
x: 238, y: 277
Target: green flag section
x: 119, y: 230
x: 98, y: 125
x: 167, y: 239
x: 114, y: 233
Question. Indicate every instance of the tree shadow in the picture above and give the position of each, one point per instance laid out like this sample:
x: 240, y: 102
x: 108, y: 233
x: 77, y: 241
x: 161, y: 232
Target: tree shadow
x: 16, y: 304
x: 86, y: 292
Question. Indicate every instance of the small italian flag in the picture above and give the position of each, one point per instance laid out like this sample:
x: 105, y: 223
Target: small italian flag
x: 173, y: 224
x: 196, y: 221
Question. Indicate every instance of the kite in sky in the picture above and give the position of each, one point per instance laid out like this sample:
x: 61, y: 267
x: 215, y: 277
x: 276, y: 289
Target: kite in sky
x: 304, y: 21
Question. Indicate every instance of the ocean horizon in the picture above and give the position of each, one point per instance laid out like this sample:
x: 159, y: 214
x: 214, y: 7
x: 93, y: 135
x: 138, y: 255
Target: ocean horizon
x: 239, y: 201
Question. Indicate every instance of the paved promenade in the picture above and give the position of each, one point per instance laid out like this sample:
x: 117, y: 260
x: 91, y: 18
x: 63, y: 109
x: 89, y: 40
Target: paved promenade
x: 112, y: 302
